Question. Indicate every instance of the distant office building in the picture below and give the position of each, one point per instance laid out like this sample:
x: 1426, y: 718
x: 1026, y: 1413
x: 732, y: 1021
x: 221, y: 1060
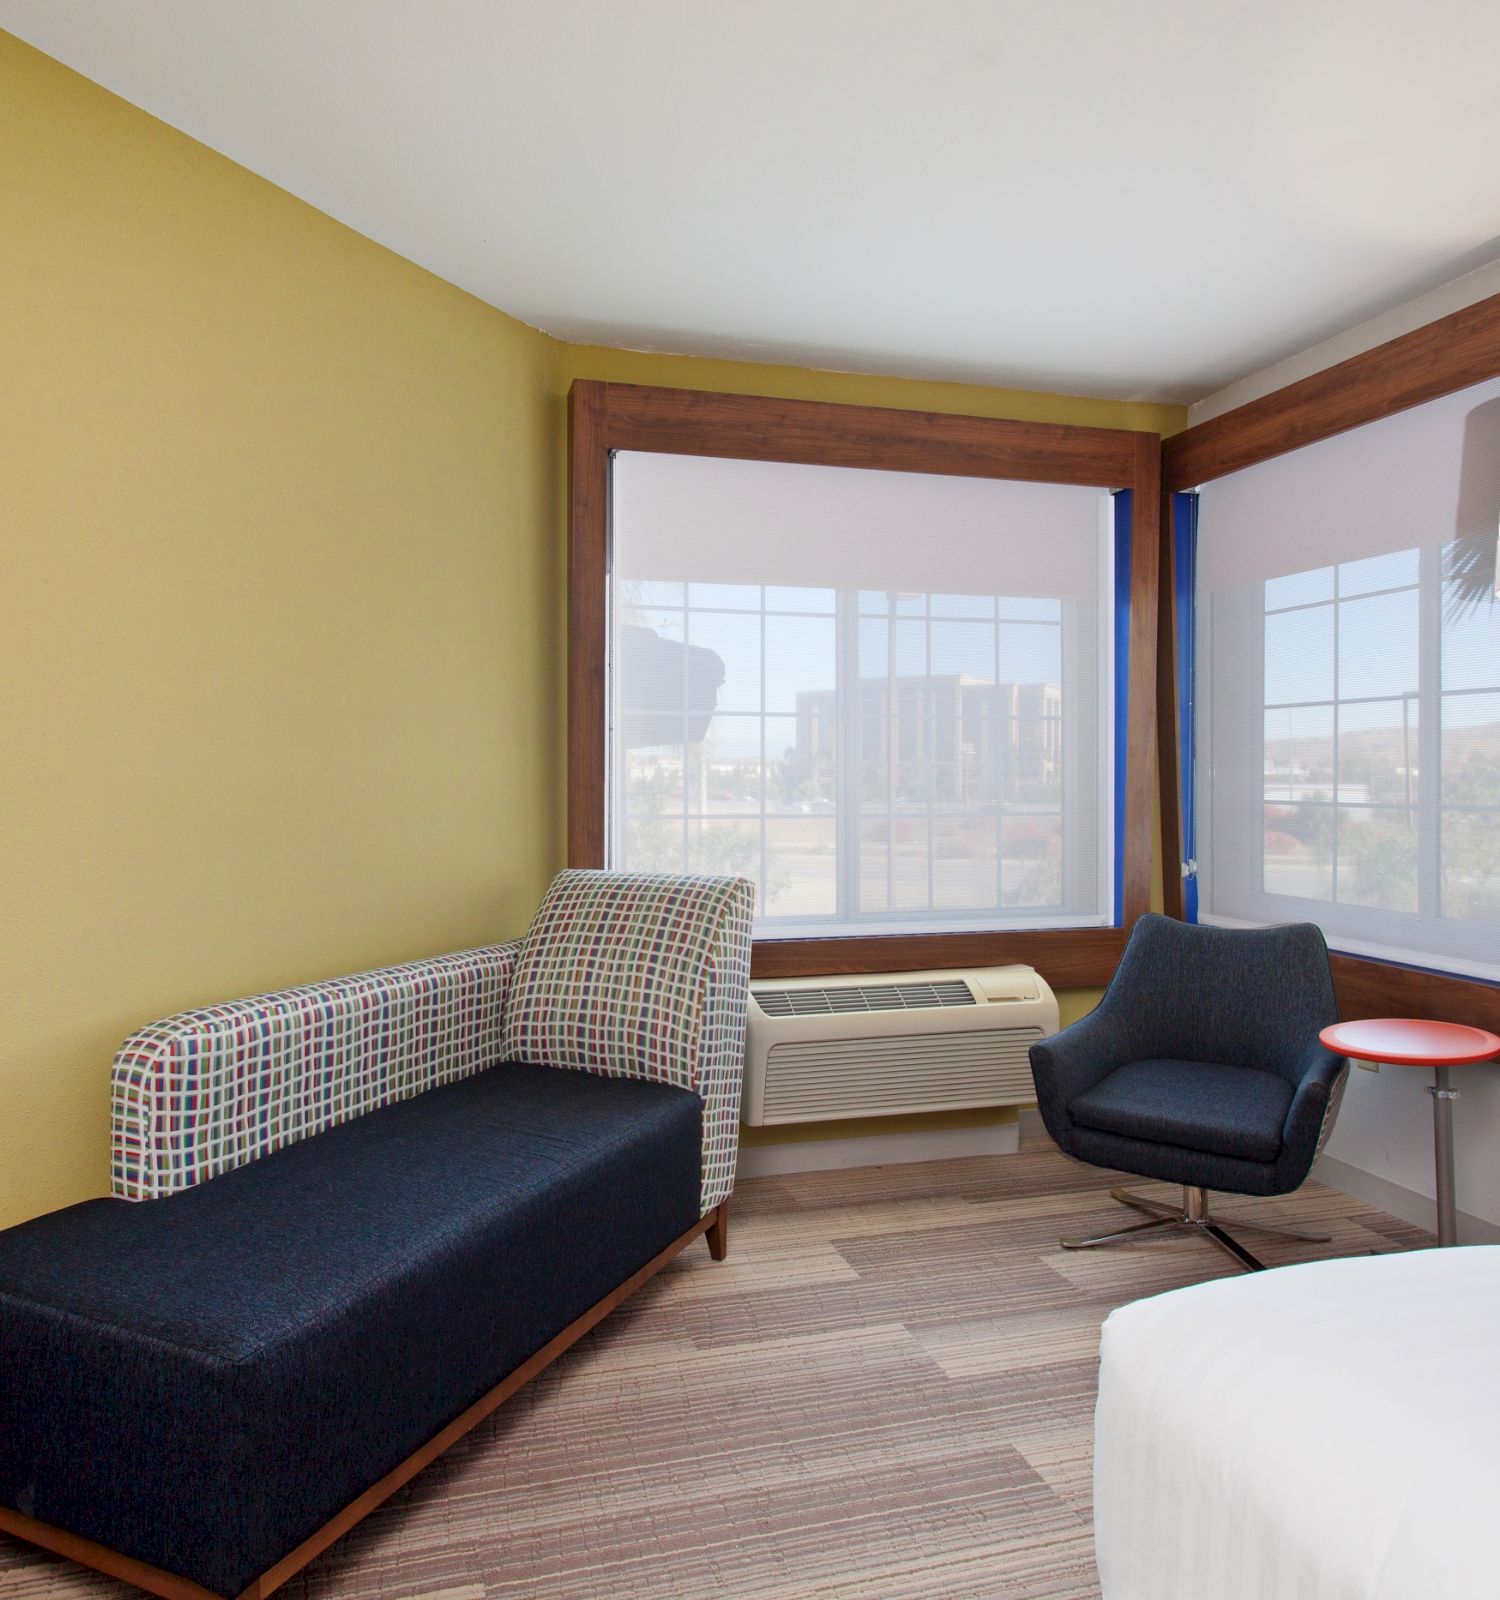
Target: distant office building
x: 973, y: 736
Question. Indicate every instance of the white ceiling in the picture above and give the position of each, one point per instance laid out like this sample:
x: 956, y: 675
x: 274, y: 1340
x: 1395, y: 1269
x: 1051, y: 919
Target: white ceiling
x: 1143, y: 199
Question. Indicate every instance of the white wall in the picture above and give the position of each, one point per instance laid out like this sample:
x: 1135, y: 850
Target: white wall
x: 1440, y: 302
x: 1381, y: 1149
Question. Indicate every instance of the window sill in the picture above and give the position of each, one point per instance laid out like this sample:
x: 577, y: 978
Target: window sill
x: 1430, y: 963
x: 1068, y: 958
x: 770, y: 931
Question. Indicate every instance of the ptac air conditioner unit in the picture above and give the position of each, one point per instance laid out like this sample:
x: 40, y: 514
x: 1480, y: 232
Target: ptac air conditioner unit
x: 869, y: 1046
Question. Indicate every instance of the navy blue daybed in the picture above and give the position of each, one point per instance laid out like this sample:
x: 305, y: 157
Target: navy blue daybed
x: 201, y: 1392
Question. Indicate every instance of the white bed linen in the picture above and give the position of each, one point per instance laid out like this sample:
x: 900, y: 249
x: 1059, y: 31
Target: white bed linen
x: 1319, y: 1432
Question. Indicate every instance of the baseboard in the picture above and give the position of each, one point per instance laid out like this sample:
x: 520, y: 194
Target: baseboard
x: 1399, y: 1201
x: 879, y: 1150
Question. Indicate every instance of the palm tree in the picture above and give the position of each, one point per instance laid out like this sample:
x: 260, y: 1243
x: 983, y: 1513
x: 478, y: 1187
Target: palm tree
x: 1469, y: 570
x: 1469, y: 575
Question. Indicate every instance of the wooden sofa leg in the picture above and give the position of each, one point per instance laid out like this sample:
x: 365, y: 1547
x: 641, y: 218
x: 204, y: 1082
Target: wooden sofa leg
x: 718, y: 1232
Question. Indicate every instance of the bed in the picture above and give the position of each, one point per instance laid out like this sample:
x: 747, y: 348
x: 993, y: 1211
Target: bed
x: 1320, y: 1432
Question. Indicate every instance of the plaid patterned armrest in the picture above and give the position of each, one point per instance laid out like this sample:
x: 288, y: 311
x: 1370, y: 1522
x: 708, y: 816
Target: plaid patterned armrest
x: 644, y: 975
x: 208, y: 1090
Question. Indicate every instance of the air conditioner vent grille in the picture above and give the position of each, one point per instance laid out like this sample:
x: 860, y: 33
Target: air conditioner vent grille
x: 818, y: 1078
x: 864, y: 998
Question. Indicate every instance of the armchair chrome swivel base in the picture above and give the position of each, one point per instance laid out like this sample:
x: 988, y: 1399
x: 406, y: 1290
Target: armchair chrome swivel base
x: 1193, y: 1214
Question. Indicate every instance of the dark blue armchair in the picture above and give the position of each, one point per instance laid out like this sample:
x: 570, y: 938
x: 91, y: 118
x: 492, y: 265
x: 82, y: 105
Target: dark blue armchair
x: 1200, y: 1066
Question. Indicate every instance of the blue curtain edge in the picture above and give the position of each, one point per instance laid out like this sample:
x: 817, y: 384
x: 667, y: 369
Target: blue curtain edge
x: 1185, y: 560
x: 1123, y: 534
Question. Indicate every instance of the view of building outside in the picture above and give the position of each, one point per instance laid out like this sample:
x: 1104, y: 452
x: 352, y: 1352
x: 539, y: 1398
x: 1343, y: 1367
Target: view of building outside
x: 870, y: 755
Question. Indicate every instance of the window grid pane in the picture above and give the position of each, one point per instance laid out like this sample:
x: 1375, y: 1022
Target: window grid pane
x: 960, y: 778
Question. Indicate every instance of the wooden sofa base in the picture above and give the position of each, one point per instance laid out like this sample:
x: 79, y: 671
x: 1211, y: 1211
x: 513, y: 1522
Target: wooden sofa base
x: 171, y: 1587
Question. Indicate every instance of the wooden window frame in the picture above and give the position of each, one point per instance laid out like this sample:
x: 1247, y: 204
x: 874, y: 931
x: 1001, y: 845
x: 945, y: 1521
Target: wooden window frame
x: 605, y: 417
x: 1453, y: 353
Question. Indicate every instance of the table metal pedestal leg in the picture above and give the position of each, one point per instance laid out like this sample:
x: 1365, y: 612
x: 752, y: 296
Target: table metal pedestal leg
x: 1442, y: 1145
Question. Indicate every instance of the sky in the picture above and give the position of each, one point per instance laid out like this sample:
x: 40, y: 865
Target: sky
x: 1366, y: 646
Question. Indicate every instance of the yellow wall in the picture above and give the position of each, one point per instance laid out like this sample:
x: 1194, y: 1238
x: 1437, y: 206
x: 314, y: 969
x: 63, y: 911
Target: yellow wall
x: 281, y: 617
x: 278, y: 604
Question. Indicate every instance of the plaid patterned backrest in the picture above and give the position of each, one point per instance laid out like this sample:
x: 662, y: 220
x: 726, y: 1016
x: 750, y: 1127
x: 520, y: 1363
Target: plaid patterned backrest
x: 208, y: 1090
x: 645, y: 975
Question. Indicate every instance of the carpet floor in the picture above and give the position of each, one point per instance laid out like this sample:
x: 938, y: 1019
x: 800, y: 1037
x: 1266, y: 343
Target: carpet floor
x: 885, y: 1393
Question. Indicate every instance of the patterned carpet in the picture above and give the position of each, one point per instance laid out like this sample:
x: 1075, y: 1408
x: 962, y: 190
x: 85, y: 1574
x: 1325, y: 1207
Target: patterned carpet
x: 885, y: 1393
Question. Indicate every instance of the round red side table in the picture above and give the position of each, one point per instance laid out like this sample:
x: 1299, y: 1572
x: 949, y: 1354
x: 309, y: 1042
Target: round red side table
x: 1406, y: 1042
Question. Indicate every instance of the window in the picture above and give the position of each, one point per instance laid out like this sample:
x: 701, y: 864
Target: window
x: 888, y: 660
x: 884, y: 696
x: 1349, y: 695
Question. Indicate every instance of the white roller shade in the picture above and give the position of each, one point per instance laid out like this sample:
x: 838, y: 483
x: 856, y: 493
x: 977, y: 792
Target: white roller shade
x: 885, y: 696
x: 709, y: 520
x: 1424, y: 476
